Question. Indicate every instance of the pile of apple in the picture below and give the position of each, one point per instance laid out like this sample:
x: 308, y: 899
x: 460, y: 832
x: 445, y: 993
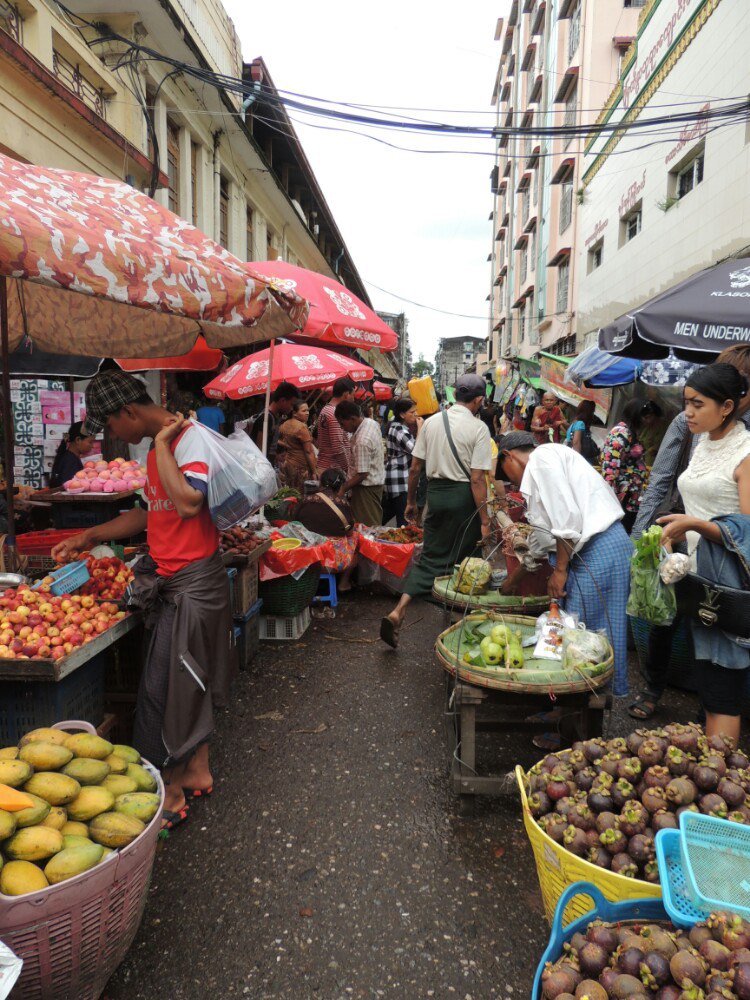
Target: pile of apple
x: 117, y: 476
x: 109, y: 578
x: 34, y: 624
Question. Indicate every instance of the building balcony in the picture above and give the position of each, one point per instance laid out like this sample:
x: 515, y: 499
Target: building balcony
x: 537, y: 25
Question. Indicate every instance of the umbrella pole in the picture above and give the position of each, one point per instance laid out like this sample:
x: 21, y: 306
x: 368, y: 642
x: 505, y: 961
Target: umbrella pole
x: 10, y: 540
x: 268, y: 398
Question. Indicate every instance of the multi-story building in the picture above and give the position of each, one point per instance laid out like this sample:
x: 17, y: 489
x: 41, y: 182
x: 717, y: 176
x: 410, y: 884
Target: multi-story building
x: 401, y: 359
x: 559, y: 60
x: 76, y: 96
x: 660, y: 205
x: 456, y: 355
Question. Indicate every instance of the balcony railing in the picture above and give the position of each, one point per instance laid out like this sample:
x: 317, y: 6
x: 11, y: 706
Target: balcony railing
x: 11, y: 21
x: 75, y: 81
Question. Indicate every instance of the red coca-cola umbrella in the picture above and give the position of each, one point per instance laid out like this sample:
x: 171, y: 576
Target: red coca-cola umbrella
x: 305, y: 367
x: 382, y: 391
x: 336, y: 315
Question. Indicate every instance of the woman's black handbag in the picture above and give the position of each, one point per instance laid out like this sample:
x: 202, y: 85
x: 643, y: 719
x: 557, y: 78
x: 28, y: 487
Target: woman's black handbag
x: 712, y: 606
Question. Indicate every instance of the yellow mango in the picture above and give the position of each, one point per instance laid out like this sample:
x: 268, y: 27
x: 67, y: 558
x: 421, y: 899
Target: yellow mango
x: 18, y: 878
x: 56, y: 818
x: 145, y: 781
x: 57, y: 736
x: 113, y: 829
x: 8, y: 824
x: 91, y: 801
x: 130, y: 754
x: 120, y: 784
x: 57, y: 789
x: 87, y: 771
x: 73, y: 840
x: 72, y: 861
x: 34, y: 843
x: 15, y: 772
x: 8, y: 753
x: 143, y: 805
x: 88, y: 745
x: 118, y: 765
x: 35, y: 814
x: 45, y: 756
x: 74, y: 829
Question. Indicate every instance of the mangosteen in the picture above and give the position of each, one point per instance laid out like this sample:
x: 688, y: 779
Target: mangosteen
x: 716, y: 954
x: 723, y: 994
x: 624, y: 987
x: 699, y: 934
x: 654, y: 799
x: 717, y: 762
x: 539, y: 804
x: 732, y: 793
x: 603, y: 782
x: 738, y: 760
x: 577, y: 761
x: 600, y: 857
x: 668, y: 993
x: 681, y: 791
x: 685, y: 738
x: 655, y: 971
x: 549, y: 763
x: 629, y: 961
x: 590, y: 989
x: 554, y: 826
x: 657, y: 776
x: 574, y: 840
x: 742, y: 981
x: 606, y: 821
x: 641, y: 848
x: 581, y: 816
x: 617, y: 745
x: 677, y: 761
x: 577, y: 941
x: 607, y: 978
x: 558, y: 788
x: 706, y: 778
x: 722, y: 744
x: 688, y: 965
x: 651, y: 872
x: 656, y: 938
x: 635, y: 739
x: 594, y: 750
x: 663, y: 820
x: 633, y: 818
x: 609, y: 763
x: 622, y: 791
x: 593, y: 959
x: 651, y: 752
x: 736, y: 934
x: 737, y: 817
x: 623, y: 864
x: 716, y: 923
x: 713, y: 805
x: 558, y: 980
x: 603, y: 935
x: 629, y: 768
x: 564, y: 805
x: 600, y: 802
x: 614, y: 840
x: 692, y: 808
x: 717, y: 981
x: 739, y: 957
x: 585, y: 779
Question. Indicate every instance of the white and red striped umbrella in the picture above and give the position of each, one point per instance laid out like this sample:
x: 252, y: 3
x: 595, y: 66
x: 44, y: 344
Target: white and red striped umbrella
x: 305, y: 367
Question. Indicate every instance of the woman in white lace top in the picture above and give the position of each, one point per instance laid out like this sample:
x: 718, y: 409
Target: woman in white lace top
x: 716, y: 483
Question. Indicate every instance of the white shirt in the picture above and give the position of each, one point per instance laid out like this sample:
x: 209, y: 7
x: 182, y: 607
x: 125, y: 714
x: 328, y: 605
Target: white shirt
x: 567, y: 497
x: 470, y: 436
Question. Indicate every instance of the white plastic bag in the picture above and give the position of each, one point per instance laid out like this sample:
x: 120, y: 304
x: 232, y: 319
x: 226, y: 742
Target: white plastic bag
x: 10, y: 970
x: 240, y: 477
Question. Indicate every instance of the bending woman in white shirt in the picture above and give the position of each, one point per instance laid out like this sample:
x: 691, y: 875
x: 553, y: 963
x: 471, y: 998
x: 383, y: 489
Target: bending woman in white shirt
x: 716, y: 483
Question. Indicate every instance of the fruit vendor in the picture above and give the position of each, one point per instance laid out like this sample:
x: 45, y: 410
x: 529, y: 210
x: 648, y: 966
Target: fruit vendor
x: 181, y: 586
x: 455, y: 448
x: 577, y: 517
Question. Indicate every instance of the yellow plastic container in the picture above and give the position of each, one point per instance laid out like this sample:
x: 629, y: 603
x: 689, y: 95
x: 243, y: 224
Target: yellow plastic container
x: 285, y: 544
x: 557, y: 868
x: 422, y: 391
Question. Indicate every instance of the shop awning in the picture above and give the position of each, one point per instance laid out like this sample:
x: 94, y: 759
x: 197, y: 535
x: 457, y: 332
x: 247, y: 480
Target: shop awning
x: 553, y: 370
x: 530, y: 371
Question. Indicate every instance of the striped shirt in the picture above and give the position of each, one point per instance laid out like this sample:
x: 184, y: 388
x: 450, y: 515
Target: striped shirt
x: 366, y: 453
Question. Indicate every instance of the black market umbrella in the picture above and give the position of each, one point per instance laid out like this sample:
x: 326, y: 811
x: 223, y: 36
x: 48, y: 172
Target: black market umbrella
x: 696, y: 319
x: 29, y: 360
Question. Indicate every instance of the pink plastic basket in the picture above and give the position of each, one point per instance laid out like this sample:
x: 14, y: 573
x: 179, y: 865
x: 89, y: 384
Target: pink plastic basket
x: 73, y: 936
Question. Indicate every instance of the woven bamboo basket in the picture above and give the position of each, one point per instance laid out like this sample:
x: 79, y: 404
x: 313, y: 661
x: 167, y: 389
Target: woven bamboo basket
x: 535, y: 677
x: 492, y: 601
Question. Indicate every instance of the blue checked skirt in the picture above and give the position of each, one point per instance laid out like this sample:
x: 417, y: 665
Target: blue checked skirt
x: 597, y: 591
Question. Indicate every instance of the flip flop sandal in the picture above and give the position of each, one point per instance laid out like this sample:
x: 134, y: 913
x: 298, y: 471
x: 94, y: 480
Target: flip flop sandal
x: 547, y: 741
x: 389, y: 632
x: 198, y: 793
x: 171, y: 820
x: 644, y: 707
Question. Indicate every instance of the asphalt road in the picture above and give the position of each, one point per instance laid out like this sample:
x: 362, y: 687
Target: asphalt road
x: 331, y: 861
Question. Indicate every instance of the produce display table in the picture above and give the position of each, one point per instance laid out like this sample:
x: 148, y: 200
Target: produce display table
x: 501, y: 711
x: 85, y: 510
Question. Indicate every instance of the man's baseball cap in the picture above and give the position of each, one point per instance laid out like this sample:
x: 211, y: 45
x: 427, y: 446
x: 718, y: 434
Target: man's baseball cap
x: 468, y: 387
x: 106, y: 394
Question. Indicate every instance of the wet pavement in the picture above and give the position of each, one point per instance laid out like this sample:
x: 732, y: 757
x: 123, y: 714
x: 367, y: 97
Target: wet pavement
x: 331, y: 861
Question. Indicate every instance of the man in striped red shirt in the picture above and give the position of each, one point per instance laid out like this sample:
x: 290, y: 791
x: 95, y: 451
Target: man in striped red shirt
x: 333, y: 441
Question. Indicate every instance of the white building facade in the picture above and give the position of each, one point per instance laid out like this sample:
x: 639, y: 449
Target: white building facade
x: 658, y: 207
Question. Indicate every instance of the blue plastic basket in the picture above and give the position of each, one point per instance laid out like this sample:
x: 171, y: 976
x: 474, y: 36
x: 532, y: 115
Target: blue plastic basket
x: 679, y: 902
x: 68, y: 578
x: 716, y: 857
x: 632, y: 909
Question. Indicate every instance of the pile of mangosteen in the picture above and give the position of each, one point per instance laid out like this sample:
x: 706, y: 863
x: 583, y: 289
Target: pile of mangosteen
x: 605, y: 801
x: 711, y: 961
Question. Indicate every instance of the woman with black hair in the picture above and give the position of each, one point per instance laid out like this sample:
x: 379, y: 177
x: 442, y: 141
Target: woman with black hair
x: 578, y: 436
x: 402, y: 433
x: 73, y: 447
x: 327, y: 514
x: 623, y: 463
x: 715, y: 489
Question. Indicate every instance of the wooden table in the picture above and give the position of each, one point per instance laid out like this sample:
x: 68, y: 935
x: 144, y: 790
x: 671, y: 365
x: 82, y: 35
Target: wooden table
x: 475, y: 709
x: 55, y: 670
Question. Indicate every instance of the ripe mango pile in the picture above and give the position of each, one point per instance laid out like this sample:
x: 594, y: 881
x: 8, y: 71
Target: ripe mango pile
x: 67, y: 801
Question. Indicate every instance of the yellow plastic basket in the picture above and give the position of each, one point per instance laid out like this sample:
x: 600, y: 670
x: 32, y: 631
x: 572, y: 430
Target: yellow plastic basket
x: 558, y: 868
x: 285, y: 544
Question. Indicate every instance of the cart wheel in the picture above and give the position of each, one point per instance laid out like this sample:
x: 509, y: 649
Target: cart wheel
x: 466, y: 805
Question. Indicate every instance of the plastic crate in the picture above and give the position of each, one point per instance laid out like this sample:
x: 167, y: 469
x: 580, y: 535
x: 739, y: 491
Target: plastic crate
x: 72, y: 936
x: 231, y: 580
x: 678, y: 900
x: 716, y: 857
x: 245, y: 592
x: 249, y: 635
x: 603, y: 909
x: 287, y: 596
x: 27, y: 705
x: 68, y: 578
x: 284, y: 627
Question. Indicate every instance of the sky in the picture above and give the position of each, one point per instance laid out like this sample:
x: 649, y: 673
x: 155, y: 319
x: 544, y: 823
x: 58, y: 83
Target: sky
x: 415, y: 224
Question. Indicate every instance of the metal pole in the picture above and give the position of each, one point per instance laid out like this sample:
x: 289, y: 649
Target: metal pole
x: 8, y: 435
x: 268, y: 397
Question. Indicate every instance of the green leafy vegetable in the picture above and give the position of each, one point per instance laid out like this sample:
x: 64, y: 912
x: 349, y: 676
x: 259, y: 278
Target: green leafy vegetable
x: 650, y: 599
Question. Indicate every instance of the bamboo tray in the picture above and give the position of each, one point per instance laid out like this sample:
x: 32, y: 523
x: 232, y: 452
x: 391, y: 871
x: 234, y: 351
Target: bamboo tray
x: 537, y: 676
x: 492, y: 601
